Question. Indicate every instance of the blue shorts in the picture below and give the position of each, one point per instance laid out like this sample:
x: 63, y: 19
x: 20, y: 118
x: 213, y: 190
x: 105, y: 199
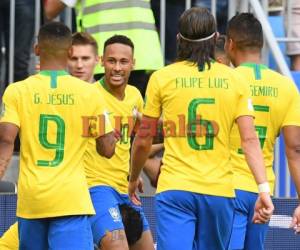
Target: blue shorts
x: 187, y: 220
x: 245, y: 234
x: 63, y: 233
x: 106, y: 201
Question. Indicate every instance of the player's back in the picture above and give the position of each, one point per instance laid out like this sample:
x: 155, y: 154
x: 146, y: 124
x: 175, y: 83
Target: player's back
x: 193, y: 161
x: 114, y: 171
x: 48, y: 109
x: 274, y: 98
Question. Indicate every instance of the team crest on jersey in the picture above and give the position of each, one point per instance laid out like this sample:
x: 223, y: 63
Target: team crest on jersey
x: 115, y: 214
x: 2, y: 110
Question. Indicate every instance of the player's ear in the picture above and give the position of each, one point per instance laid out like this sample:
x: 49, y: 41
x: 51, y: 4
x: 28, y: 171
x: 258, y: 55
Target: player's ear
x: 101, y: 61
x: 36, y: 50
x: 70, y: 52
x: 133, y: 63
x: 217, y: 35
x: 231, y: 44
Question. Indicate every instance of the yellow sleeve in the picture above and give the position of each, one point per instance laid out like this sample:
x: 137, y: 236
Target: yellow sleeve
x: 292, y: 117
x: 9, y: 108
x: 244, y: 104
x: 152, y: 105
x: 10, y: 239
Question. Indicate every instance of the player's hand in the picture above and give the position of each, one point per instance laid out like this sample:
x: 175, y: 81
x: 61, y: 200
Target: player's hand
x: 140, y: 185
x: 3, y: 165
x: 132, y: 187
x: 263, y: 209
x: 296, y: 220
x: 117, y: 135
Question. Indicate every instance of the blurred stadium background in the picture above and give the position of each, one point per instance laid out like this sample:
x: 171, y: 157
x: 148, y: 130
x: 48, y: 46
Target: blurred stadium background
x: 275, y: 17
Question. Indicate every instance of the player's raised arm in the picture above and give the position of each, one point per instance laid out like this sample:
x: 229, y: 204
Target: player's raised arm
x: 251, y: 148
x: 52, y: 8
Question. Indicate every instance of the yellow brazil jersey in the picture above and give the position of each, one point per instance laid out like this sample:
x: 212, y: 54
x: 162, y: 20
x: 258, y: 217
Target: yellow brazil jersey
x: 199, y: 109
x: 10, y: 239
x: 49, y: 108
x: 276, y: 104
x: 114, y: 171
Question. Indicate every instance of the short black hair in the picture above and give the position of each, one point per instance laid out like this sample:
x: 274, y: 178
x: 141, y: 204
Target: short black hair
x: 54, y: 38
x: 246, y: 31
x: 133, y: 224
x: 119, y: 39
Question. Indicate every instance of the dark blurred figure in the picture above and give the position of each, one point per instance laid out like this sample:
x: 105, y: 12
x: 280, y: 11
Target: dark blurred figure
x: 24, y: 32
x: 220, y: 54
x: 174, y: 8
x: 222, y: 12
x: 133, y: 223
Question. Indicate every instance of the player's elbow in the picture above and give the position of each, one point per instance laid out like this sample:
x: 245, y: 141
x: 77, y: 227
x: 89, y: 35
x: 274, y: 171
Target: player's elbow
x: 105, y: 145
x: 143, y: 143
x: 293, y: 151
x: 107, y: 152
x: 249, y: 142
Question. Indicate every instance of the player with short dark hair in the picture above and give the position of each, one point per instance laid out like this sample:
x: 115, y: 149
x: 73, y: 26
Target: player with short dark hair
x: 108, y: 179
x: 48, y: 108
x: 277, y: 108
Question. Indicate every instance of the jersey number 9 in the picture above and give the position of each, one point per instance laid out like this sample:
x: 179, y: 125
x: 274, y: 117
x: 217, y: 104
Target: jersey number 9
x: 58, y: 146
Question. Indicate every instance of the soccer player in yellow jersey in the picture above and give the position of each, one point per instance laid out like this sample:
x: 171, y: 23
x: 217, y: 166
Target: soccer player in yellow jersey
x: 80, y: 64
x: 9, y: 240
x: 200, y: 100
x: 48, y: 110
x: 277, y: 108
x: 108, y: 179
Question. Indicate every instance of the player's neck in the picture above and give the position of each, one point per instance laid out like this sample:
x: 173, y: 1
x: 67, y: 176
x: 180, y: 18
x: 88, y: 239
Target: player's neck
x: 116, y: 91
x: 248, y: 57
x: 57, y: 65
x: 92, y: 79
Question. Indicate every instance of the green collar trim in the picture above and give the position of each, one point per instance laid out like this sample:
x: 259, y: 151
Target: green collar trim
x: 53, y: 75
x: 102, y: 82
x: 256, y: 69
x: 252, y: 65
x: 50, y: 72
